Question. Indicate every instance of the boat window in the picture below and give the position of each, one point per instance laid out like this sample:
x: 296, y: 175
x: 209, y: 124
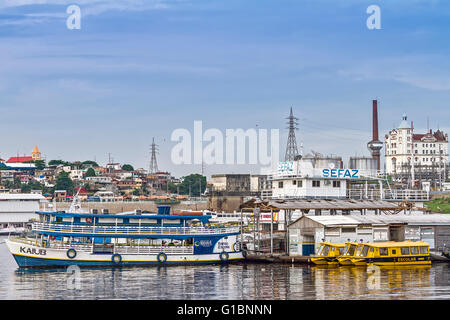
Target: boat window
x: 319, y: 250
x: 341, y: 251
x: 371, y: 250
x: 347, y: 247
x: 358, y: 251
x: 325, y: 250
x: 405, y: 250
x: 383, y: 251
x: 414, y: 250
x: 423, y: 250
x: 393, y: 251
x: 364, y: 251
x: 351, y: 250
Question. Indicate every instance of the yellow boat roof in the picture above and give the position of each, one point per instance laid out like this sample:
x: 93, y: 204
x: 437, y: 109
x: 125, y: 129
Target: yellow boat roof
x: 356, y: 243
x: 392, y: 244
x: 332, y: 244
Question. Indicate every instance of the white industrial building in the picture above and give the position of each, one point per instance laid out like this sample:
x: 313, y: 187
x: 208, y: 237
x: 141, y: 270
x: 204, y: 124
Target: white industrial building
x: 304, y: 178
x: 17, y: 209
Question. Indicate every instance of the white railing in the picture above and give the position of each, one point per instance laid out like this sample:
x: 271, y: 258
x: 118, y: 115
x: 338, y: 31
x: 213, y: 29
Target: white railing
x: 66, y: 246
x: 396, y: 195
x: 154, y: 249
x: 130, y: 230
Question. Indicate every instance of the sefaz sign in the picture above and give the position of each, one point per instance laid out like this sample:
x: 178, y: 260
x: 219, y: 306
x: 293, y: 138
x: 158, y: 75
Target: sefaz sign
x: 340, y: 173
x: 39, y: 252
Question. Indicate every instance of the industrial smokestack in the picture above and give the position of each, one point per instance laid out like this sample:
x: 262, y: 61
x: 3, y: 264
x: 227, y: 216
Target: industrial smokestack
x: 374, y: 120
x: 375, y: 145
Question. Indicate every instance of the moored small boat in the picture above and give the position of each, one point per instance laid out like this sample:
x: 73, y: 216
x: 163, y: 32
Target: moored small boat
x: 327, y: 253
x: 394, y: 253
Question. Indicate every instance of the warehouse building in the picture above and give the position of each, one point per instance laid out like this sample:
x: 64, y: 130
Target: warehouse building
x: 307, y: 232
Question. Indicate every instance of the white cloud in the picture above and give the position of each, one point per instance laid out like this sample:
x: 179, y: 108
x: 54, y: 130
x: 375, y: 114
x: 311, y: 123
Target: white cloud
x: 417, y: 71
x: 91, y: 7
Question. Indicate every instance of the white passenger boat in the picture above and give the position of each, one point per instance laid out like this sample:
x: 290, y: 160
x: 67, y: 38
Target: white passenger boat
x: 82, y: 239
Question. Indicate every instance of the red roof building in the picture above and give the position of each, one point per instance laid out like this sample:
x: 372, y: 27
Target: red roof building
x: 19, y: 159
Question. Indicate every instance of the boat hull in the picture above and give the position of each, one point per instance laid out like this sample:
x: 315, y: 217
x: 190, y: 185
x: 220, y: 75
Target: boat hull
x: 29, y: 256
x: 345, y: 261
x: 319, y: 260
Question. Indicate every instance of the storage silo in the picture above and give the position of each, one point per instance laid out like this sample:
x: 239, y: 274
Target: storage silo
x: 329, y: 162
x: 363, y: 163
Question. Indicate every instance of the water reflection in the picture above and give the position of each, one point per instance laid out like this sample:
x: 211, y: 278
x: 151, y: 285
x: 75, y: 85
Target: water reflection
x: 403, y: 282
x: 222, y: 282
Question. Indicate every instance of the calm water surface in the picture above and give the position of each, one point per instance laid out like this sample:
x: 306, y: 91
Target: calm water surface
x: 224, y: 282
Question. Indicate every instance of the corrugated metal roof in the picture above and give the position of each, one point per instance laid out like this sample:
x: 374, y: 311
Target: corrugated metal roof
x: 425, y: 219
x: 338, y: 204
x: 334, y: 220
x: 21, y: 196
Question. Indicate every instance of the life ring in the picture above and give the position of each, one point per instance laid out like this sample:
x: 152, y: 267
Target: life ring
x: 237, y: 246
x: 71, y: 253
x: 223, y: 256
x: 162, y: 257
x: 116, y: 258
x: 88, y: 220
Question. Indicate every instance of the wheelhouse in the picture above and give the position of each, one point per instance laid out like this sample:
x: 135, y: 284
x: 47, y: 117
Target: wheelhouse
x: 327, y: 253
x: 351, y: 250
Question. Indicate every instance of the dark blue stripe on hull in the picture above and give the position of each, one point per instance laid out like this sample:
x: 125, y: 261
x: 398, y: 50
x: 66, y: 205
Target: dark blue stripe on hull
x: 29, y: 262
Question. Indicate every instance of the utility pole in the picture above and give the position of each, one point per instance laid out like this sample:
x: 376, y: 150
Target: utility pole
x: 291, y: 147
x: 153, y: 164
x: 440, y: 173
x: 412, y: 156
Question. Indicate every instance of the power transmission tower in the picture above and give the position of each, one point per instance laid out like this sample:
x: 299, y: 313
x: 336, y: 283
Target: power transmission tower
x: 153, y: 164
x: 291, y: 147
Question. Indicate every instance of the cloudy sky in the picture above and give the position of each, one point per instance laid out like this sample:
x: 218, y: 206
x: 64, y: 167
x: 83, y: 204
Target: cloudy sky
x: 139, y: 69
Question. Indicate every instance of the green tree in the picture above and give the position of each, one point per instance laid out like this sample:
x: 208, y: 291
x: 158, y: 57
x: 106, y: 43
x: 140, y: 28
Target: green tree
x: 127, y: 167
x: 33, y: 185
x: 40, y: 164
x: 191, y: 184
x: 136, y: 192
x: 90, y: 172
x: 57, y: 163
x: 89, y: 163
x: 63, y: 182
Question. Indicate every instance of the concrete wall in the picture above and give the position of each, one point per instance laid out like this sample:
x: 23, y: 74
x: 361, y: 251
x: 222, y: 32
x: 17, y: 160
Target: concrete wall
x: 225, y: 203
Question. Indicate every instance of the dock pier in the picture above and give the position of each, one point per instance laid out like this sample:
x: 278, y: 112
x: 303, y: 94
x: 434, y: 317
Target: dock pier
x: 267, y: 258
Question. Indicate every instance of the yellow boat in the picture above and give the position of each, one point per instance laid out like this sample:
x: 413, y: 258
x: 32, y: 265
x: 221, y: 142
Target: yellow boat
x: 393, y: 253
x: 352, y: 249
x: 327, y: 253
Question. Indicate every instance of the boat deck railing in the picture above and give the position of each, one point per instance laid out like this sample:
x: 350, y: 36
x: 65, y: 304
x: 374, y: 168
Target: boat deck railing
x: 129, y: 230
x: 130, y: 249
x: 118, y: 248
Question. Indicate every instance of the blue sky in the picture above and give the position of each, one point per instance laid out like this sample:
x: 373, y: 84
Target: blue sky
x: 139, y: 69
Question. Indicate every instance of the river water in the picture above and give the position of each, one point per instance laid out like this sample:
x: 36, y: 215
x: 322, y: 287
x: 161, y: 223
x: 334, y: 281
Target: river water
x: 223, y: 282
